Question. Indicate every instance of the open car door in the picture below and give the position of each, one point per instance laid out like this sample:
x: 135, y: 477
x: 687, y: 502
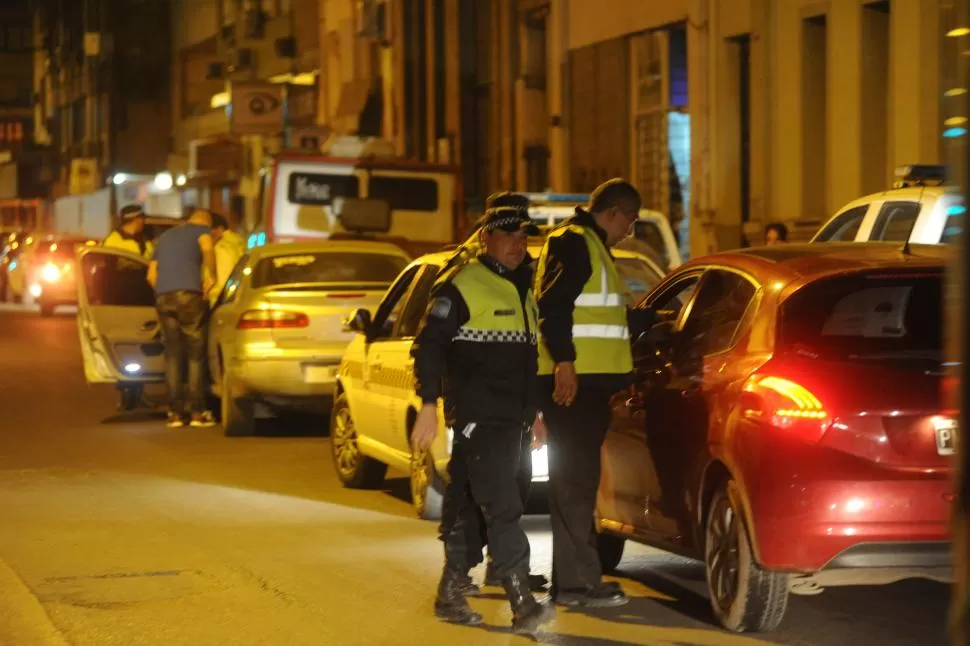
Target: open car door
x: 121, y: 339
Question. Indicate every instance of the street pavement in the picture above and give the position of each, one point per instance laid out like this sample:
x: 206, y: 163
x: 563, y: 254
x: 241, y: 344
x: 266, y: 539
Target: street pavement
x: 117, y: 531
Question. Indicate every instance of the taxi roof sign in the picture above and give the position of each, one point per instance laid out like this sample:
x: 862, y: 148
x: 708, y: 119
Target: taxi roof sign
x: 919, y: 175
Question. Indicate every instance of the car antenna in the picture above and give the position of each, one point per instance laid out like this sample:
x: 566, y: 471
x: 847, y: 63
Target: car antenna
x: 922, y: 189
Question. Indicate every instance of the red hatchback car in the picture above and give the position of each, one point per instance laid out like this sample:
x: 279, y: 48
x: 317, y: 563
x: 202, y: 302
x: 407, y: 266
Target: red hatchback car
x: 786, y: 425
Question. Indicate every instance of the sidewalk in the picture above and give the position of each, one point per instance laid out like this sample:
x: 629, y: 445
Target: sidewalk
x: 23, y: 621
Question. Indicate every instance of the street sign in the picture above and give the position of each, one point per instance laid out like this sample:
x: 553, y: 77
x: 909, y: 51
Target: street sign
x: 256, y: 108
x: 84, y: 175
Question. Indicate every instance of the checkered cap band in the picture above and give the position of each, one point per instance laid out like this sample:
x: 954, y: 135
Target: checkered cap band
x: 507, y: 216
x: 494, y: 336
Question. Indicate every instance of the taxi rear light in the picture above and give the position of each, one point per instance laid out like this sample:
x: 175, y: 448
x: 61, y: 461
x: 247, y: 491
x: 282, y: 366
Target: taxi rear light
x: 271, y: 319
x: 785, y: 405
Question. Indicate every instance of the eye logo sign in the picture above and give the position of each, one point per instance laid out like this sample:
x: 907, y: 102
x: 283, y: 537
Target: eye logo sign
x: 258, y: 108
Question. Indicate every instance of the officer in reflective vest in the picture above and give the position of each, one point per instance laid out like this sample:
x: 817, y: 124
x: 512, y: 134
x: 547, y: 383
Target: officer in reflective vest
x: 130, y: 236
x: 477, y: 348
x: 584, y: 358
x: 476, y: 536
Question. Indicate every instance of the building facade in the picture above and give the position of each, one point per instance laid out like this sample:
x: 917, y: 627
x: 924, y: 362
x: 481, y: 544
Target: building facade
x: 23, y: 172
x: 727, y: 114
x: 101, y: 87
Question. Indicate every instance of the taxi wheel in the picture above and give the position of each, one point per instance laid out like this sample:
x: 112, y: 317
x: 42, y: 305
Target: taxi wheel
x: 744, y: 597
x: 236, y: 413
x: 354, y: 469
x: 427, y: 487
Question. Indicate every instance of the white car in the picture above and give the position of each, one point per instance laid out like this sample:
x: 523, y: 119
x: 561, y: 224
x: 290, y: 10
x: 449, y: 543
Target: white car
x: 652, y: 228
x: 376, y: 403
x: 276, y: 332
x: 921, y: 209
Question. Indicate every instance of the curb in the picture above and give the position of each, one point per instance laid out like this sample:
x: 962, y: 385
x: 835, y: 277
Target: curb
x: 23, y: 620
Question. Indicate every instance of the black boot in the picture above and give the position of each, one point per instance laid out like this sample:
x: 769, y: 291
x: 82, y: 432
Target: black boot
x: 537, y: 582
x: 468, y: 587
x: 527, y: 613
x: 450, y: 605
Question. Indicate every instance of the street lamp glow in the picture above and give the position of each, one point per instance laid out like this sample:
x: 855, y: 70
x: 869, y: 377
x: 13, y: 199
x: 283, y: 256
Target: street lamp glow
x: 180, y: 180
x: 119, y: 179
x: 164, y: 181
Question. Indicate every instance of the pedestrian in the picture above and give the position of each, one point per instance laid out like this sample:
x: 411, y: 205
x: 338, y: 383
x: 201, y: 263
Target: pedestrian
x: 584, y: 358
x: 130, y: 235
x: 776, y: 233
x: 476, y: 536
x: 181, y: 272
x: 477, y: 348
x: 229, y: 248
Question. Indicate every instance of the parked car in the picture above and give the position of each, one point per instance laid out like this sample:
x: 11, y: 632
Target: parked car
x: 275, y: 334
x: 376, y: 404
x: 50, y: 274
x: 785, y: 426
x: 920, y: 208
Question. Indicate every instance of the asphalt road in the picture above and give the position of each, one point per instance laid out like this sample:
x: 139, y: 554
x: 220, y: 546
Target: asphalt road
x: 115, y: 530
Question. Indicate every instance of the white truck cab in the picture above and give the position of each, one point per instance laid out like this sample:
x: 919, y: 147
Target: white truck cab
x: 920, y: 208
x: 299, y: 191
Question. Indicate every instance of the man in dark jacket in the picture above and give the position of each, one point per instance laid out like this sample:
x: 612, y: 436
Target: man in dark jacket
x: 477, y: 348
x: 476, y: 536
x: 584, y: 358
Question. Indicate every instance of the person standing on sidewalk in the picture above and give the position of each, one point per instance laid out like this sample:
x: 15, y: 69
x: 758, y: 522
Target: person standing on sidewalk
x: 584, y: 358
x: 181, y: 286
x: 477, y: 347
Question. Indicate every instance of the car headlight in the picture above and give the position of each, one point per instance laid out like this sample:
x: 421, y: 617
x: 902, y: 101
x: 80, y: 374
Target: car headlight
x: 50, y: 273
x: 35, y: 290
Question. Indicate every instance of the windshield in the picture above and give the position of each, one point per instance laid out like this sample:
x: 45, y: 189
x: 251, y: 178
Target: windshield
x: 639, y: 276
x: 894, y: 317
x: 328, y: 267
x: 649, y: 233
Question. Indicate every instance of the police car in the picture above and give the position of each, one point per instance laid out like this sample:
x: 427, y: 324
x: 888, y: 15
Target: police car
x: 652, y: 229
x: 375, y: 403
x: 920, y: 208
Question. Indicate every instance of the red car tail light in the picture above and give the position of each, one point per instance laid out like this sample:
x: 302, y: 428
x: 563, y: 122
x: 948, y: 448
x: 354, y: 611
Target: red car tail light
x: 785, y: 405
x: 271, y: 319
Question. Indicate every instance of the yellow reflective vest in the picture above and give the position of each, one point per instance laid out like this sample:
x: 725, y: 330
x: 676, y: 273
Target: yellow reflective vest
x: 115, y: 240
x: 494, y: 307
x: 601, y: 334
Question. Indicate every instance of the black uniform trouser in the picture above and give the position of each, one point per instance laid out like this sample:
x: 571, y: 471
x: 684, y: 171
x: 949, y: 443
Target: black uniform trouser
x: 576, y: 434
x: 476, y: 535
x: 484, y: 464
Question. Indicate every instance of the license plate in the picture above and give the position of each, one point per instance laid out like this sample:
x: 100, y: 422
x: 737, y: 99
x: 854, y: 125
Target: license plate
x: 946, y: 436
x: 319, y: 374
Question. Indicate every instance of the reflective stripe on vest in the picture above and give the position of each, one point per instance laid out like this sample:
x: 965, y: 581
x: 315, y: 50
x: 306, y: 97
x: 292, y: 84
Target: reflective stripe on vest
x: 600, y: 332
x: 486, y: 294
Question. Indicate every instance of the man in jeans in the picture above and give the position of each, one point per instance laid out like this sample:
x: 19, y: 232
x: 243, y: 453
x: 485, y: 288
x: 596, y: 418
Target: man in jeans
x: 181, y: 287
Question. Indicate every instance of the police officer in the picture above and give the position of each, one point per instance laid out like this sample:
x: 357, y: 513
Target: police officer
x: 476, y: 536
x: 130, y: 236
x: 477, y: 348
x: 584, y: 358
